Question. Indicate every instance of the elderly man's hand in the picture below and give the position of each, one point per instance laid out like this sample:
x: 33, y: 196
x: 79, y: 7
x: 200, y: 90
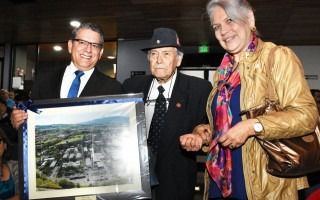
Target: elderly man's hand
x: 194, y: 141
x: 191, y: 142
x: 17, y: 117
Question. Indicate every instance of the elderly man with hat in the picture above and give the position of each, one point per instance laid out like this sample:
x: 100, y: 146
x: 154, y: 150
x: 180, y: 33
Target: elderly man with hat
x: 181, y: 101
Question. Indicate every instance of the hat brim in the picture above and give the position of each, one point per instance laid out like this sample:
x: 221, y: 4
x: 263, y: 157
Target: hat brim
x: 160, y: 46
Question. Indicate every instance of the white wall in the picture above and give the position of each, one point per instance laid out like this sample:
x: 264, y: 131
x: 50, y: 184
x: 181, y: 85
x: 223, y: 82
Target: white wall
x: 310, y: 59
x: 131, y: 58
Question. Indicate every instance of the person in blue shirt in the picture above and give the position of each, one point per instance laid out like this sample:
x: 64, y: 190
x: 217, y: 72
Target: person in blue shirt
x: 5, y: 95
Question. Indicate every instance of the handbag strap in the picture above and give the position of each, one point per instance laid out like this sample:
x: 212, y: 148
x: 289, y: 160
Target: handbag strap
x: 270, y: 91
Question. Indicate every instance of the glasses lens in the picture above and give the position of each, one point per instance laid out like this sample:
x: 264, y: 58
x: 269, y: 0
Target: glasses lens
x: 96, y: 46
x: 84, y: 44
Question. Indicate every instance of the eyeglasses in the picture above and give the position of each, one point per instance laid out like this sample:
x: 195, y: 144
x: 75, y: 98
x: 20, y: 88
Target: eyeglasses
x: 84, y: 44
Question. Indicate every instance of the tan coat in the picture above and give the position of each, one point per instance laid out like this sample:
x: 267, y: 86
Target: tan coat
x: 299, y: 117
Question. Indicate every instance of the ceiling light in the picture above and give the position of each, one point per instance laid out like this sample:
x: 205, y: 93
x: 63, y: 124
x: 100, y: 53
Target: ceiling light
x: 57, y: 48
x: 111, y: 57
x: 75, y: 23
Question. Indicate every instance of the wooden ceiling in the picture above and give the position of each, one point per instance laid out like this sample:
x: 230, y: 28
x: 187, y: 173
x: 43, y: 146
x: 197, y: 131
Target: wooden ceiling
x: 286, y: 22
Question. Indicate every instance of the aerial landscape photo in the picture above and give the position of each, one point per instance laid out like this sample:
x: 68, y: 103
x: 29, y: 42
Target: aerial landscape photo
x: 81, y: 150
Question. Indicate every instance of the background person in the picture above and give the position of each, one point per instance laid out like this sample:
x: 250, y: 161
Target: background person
x: 313, y: 192
x: 185, y: 98
x: 5, y: 94
x: 236, y: 163
x: 86, y: 48
x: 7, y: 182
x: 316, y: 95
x: 12, y: 136
x: 12, y: 95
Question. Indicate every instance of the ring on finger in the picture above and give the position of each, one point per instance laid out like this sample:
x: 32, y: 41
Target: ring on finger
x: 231, y: 146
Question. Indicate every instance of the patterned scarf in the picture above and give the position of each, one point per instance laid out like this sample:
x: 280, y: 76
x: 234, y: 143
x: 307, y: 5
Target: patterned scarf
x: 219, y: 163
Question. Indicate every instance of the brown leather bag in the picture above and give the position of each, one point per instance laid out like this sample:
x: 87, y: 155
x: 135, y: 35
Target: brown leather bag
x: 289, y: 157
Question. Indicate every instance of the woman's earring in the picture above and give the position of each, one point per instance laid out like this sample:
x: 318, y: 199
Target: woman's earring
x: 253, y: 29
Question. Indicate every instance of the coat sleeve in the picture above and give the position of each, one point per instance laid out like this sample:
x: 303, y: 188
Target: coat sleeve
x: 299, y: 115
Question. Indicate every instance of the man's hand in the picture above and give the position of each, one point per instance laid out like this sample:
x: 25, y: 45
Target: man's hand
x: 194, y: 141
x: 17, y: 117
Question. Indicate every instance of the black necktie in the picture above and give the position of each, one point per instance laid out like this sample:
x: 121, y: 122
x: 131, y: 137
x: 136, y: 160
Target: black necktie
x: 73, y: 91
x: 157, y: 121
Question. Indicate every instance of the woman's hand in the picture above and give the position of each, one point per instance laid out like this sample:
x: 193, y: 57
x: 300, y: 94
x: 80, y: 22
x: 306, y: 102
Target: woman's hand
x: 193, y: 141
x: 17, y: 117
x: 238, y: 134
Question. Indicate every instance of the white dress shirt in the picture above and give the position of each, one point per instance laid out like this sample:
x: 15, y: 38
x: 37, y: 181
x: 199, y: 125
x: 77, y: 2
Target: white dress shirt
x: 153, y: 94
x: 69, y: 75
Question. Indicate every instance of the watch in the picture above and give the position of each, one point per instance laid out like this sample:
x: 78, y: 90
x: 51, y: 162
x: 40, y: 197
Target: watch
x: 257, y: 127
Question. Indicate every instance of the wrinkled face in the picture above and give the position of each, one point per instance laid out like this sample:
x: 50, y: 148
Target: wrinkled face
x: 86, y: 49
x: 163, y: 63
x: 233, y: 37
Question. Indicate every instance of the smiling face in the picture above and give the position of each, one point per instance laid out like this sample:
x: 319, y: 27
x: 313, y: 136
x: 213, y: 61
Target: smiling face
x: 85, y: 57
x: 163, y: 63
x: 233, y: 37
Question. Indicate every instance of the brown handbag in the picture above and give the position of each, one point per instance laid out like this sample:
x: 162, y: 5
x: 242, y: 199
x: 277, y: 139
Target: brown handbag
x: 289, y: 157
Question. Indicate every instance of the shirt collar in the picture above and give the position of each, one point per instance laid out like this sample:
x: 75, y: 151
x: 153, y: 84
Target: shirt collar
x: 168, y: 86
x: 72, y: 68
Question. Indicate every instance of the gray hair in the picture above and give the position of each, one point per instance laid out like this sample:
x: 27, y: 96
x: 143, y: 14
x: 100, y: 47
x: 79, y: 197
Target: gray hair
x: 91, y: 26
x: 179, y: 53
x: 237, y: 10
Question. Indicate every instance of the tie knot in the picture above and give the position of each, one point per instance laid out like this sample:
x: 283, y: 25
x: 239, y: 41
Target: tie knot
x: 160, y: 89
x: 79, y: 73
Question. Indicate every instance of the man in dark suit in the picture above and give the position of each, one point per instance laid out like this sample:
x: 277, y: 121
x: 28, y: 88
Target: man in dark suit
x: 86, y: 48
x: 186, y: 98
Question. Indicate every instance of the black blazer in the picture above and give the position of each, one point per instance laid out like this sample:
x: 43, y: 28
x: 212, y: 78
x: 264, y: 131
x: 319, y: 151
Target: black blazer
x: 176, y: 168
x: 48, y: 85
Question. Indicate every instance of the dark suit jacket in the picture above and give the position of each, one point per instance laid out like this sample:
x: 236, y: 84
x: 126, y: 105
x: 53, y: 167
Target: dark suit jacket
x: 48, y: 85
x: 176, y: 168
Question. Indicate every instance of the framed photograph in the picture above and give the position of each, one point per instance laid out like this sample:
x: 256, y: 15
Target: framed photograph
x: 86, y: 148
